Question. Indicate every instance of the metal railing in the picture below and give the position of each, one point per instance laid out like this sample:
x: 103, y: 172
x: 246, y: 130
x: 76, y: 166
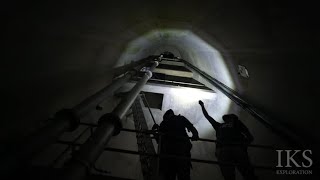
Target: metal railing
x: 159, y: 154
x: 163, y: 155
x: 200, y: 139
x: 273, y: 125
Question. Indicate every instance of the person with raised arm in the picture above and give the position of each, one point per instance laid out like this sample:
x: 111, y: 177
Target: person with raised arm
x: 233, y: 138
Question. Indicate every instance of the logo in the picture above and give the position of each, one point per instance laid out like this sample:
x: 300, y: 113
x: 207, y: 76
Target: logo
x: 294, y: 162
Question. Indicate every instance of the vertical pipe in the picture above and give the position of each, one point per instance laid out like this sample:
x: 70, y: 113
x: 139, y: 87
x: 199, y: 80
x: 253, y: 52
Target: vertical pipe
x: 66, y: 119
x: 109, y: 124
x: 159, y: 154
x: 123, y: 107
x: 84, y: 159
x: 90, y: 103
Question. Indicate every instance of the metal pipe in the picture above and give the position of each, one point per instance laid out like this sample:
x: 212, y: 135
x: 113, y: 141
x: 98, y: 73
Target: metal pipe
x: 123, y: 107
x: 109, y: 124
x: 66, y: 119
x: 137, y: 65
x: 159, y: 152
x: 90, y: 103
x: 273, y: 125
x: 84, y: 159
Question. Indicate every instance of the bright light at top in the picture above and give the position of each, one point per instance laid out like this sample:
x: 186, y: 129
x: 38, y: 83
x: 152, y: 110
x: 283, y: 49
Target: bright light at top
x: 189, y: 96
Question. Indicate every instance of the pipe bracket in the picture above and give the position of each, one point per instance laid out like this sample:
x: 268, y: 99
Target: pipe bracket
x: 116, y: 121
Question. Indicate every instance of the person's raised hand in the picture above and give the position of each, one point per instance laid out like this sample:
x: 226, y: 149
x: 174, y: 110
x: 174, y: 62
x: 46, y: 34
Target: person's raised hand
x: 195, y: 137
x: 155, y: 127
x: 201, y: 103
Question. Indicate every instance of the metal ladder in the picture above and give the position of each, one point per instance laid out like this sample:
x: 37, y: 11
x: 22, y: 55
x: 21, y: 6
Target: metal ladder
x: 148, y: 163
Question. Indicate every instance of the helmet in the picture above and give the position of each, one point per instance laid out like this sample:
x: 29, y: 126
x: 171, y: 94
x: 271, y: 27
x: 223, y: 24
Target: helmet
x: 228, y: 117
x: 168, y: 114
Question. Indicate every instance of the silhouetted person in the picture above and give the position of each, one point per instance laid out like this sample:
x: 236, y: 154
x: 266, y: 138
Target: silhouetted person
x: 175, y: 141
x: 233, y: 138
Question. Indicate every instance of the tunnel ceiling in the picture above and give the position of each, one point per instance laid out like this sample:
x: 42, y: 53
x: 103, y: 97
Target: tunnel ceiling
x: 182, y: 43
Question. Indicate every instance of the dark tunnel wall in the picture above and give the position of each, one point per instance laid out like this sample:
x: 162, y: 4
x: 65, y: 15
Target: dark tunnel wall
x: 59, y: 53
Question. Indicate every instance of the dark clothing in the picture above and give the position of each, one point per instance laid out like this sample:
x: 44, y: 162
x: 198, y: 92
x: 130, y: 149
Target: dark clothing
x: 178, y: 146
x: 236, y: 155
x: 170, y: 168
x: 231, y: 133
x: 174, y: 130
x: 231, y: 147
x: 168, y: 55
